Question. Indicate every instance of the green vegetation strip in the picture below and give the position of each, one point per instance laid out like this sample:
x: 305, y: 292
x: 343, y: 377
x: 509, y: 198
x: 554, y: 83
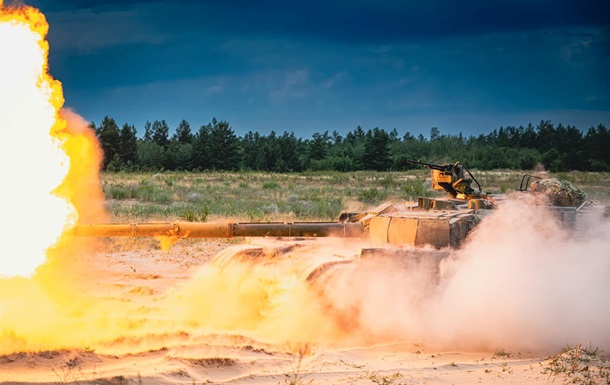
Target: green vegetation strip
x: 256, y: 196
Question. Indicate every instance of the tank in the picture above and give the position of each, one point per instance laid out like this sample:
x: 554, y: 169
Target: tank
x: 409, y: 235
x: 438, y: 223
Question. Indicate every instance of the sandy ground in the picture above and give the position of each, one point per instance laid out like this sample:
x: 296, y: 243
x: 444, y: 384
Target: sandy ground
x: 140, y: 273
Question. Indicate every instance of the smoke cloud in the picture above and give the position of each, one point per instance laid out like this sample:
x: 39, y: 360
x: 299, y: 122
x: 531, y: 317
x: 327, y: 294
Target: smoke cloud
x: 525, y: 282
x: 521, y: 282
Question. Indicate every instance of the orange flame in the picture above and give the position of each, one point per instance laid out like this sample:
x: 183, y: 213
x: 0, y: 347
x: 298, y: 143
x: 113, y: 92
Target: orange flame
x: 41, y: 157
x: 50, y: 161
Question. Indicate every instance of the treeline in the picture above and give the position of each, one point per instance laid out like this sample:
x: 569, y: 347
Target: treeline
x: 215, y: 146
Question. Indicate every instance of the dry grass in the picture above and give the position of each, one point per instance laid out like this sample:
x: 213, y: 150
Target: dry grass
x: 290, y: 197
x: 578, y: 365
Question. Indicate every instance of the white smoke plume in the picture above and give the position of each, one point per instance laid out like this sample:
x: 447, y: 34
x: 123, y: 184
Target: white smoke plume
x: 521, y: 282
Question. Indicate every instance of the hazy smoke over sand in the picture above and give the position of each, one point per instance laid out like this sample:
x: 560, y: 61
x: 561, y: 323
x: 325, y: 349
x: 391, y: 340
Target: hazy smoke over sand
x: 524, y: 282
x: 521, y: 282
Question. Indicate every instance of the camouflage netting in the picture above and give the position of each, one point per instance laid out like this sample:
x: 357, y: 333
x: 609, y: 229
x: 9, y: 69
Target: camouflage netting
x: 559, y: 193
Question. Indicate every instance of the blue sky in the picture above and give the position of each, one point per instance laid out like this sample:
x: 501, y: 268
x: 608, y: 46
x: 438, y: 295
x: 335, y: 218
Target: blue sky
x: 310, y: 66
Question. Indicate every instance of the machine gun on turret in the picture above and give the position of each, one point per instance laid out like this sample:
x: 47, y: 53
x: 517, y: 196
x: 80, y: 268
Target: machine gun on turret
x: 432, y: 166
x: 452, y: 179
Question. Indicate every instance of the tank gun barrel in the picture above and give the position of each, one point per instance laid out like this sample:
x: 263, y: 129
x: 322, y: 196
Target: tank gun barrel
x: 221, y: 229
x: 385, y: 224
x: 432, y: 166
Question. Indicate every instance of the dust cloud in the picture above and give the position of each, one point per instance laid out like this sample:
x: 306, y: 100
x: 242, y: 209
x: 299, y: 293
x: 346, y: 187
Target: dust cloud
x: 525, y: 282
x: 521, y: 282
x: 264, y: 299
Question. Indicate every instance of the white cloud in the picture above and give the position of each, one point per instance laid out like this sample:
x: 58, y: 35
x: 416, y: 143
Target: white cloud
x: 216, y: 88
x: 330, y: 82
x: 294, y: 84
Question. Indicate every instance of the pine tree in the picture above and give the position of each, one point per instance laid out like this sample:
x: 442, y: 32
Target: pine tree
x: 434, y: 134
x: 289, y: 150
x: 223, y: 146
x: 596, y: 144
x: 376, y: 150
x: 151, y: 156
x: 129, y: 146
x: 110, y: 140
x: 251, y: 146
x: 160, y: 133
x: 183, y: 133
x: 318, y: 146
x: 183, y: 156
x: 269, y: 153
x: 201, y: 152
x: 147, y: 132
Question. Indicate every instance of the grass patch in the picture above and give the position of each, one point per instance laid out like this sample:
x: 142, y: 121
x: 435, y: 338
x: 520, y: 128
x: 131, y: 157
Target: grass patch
x: 501, y: 354
x: 387, y: 379
x: 217, y: 362
x: 271, y: 184
x: 295, y: 376
x: 579, y: 365
x: 256, y: 196
x: 193, y: 215
x: 414, y: 189
x: 372, y: 195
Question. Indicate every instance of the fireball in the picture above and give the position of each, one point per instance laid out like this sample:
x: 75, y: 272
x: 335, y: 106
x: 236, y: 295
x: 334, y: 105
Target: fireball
x: 33, y: 140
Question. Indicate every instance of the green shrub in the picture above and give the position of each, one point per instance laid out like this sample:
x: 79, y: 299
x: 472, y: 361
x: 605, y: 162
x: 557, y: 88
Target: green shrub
x: 271, y: 184
x: 371, y: 195
x: 416, y: 189
x: 192, y: 214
